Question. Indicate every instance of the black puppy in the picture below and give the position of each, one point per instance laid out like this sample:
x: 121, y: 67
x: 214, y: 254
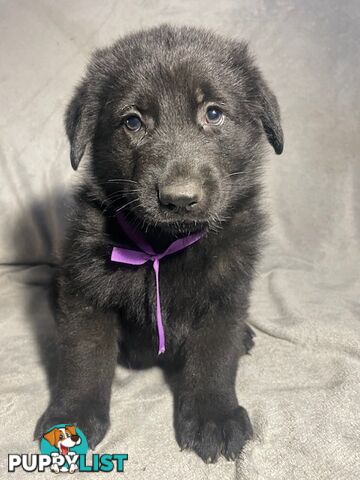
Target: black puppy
x: 173, y: 120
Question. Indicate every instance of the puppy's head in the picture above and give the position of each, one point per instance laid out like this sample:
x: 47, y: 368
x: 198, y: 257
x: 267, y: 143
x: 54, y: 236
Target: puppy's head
x: 63, y: 438
x: 174, y: 119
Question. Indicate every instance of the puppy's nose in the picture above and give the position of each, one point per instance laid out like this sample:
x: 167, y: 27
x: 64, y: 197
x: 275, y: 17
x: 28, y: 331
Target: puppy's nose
x: 75, y: 438
x: 181, y: 195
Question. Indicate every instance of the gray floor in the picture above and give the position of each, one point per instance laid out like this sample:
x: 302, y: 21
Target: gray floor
x: 301, y: 384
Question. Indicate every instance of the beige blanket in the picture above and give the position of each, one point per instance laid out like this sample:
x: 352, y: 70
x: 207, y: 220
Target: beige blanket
x: 301, y: 383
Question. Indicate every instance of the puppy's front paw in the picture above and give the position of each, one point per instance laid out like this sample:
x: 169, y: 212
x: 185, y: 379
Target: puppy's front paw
x: 94, y: 427
x: 73, y: 468
x: 94, y: 424
x: 211, y: 431
x: 55, y: 468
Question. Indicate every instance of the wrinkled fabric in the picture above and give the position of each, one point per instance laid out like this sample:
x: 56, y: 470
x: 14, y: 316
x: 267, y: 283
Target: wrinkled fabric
x: 301, y: 383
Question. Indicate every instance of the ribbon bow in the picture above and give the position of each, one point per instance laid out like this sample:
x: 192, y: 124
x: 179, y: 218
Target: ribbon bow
x: 146, y: 253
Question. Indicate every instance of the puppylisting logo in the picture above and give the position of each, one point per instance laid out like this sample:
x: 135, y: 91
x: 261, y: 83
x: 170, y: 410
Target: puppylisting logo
x: 63, y: 449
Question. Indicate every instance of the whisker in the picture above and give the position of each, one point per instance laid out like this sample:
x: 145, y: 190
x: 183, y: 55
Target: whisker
x: 118, y: 180
x: 235, y: 173
x: 113, y: 197
x: 127, y: 204
x: 122, y: 192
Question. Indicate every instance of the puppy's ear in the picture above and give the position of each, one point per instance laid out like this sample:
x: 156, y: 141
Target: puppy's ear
x: 261, y: 100
x: 79, y: 124
x: 270, y: 115
x: 51, y: 436
x: 71, y: 429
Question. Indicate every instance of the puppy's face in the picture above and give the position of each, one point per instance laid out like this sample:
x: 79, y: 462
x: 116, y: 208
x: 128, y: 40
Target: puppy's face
x: 63, y: 438
x: 175, y: 119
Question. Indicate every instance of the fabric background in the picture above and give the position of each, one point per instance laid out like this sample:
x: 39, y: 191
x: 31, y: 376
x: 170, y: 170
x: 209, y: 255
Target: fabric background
x: 301, y: 383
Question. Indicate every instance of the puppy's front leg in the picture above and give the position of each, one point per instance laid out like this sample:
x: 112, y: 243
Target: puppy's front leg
x: 208, y: 418
x: 87, y: 357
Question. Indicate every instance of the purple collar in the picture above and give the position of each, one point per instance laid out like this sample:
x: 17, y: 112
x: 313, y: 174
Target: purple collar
x: 143, y: 255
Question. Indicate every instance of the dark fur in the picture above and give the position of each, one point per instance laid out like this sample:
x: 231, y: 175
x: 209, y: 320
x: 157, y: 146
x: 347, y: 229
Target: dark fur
x: 205, y: 289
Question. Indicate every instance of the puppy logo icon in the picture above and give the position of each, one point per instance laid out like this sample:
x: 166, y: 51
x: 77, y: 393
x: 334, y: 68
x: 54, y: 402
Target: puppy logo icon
x: 64, y: 443
x: 63, y: 448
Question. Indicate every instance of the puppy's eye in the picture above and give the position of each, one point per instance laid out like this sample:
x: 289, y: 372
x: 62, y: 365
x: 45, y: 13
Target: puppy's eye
x: 133, y: 123
x: 214, y: 116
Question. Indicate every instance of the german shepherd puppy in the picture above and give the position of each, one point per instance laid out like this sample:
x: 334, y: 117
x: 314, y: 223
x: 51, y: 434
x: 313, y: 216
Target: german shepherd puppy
x: 173, y: 121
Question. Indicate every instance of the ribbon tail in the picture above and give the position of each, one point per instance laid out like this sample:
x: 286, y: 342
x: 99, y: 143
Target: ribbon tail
x: 159, y: 323
x: 130, y: 257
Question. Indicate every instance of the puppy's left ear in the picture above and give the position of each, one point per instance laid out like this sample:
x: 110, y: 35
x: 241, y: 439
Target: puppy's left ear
x: 79, y: 124
x: 270, y: 115
x: 71, y: 429
x: 260, y: 99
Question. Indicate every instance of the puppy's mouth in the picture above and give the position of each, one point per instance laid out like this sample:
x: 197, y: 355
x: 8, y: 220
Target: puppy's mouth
x: 174, y: 225
x: 172, y: 222
x: 184, y: 227
x: 64, y: 450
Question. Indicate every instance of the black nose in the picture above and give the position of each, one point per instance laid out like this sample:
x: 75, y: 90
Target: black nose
x: 181, y: 195
x: 75, y: 438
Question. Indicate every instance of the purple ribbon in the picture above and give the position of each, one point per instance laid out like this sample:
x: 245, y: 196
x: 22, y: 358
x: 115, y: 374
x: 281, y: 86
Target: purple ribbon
x: 146, y: 253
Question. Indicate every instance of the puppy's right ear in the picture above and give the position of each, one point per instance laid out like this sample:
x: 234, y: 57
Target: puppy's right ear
x: 79, y: 124
x: 50, y: 436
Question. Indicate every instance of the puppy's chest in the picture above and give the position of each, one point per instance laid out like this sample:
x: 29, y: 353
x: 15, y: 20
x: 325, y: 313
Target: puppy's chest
x: 175, y: 289
x: 138, y: 308
x: 171, y: 281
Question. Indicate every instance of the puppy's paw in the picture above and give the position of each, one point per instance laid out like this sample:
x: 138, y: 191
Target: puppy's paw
x: 73, y: 468
x: 237, y: 430
x: 55, y: 468
x: 93, y: 424
x: 94, y: 428
x: 212, y: 432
